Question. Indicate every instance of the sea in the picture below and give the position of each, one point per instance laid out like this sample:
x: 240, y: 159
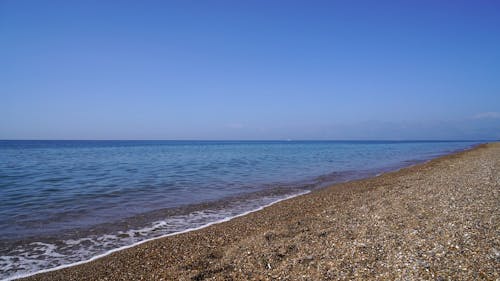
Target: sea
x: 67, y: 202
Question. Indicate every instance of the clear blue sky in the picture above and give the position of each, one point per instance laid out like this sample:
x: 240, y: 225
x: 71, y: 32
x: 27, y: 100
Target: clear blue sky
x: 249, y: 69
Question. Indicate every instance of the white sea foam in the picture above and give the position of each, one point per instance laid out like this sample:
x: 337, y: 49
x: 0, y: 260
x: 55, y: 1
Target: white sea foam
x: 41, y: 257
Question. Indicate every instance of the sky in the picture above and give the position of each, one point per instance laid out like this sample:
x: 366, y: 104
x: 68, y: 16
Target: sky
x: 249, y: 69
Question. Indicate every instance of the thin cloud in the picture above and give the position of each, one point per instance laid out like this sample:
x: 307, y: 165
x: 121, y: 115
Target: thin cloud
x: 487, y: 115
x: 235, y: 126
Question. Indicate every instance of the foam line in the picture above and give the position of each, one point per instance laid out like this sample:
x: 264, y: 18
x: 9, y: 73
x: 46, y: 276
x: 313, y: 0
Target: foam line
x: 154, y: 238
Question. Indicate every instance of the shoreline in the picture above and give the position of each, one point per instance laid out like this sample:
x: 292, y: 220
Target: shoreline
x: 268, y: 197
x: 55, y: 273
x: 152, y: 239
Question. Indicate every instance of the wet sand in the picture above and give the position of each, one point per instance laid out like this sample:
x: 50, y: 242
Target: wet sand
x: 433, y: 221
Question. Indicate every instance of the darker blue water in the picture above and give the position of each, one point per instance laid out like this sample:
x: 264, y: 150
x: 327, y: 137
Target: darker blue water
x: 56, y: 196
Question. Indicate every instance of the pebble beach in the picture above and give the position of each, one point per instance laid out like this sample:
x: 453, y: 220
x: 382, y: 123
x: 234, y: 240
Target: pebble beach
x: 433, y: 221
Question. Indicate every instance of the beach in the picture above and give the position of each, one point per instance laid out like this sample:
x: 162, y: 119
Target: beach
x: 433, y: 221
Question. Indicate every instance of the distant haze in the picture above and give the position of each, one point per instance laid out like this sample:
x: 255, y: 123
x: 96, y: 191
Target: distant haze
x: 249, y: 70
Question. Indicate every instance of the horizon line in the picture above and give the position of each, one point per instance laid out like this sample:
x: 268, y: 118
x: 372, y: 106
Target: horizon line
x: 257, y: 140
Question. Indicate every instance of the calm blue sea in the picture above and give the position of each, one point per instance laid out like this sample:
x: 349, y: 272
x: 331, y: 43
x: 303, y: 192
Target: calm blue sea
x: 63, y: 202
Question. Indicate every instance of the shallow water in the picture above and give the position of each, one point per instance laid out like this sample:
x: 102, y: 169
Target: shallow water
x: 67, y: 201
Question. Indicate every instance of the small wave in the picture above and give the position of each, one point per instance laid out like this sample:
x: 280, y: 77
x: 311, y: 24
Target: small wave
x: 38, y: 257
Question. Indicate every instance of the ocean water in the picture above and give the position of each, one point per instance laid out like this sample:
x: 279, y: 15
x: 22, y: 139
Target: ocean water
x: 64, y: 202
